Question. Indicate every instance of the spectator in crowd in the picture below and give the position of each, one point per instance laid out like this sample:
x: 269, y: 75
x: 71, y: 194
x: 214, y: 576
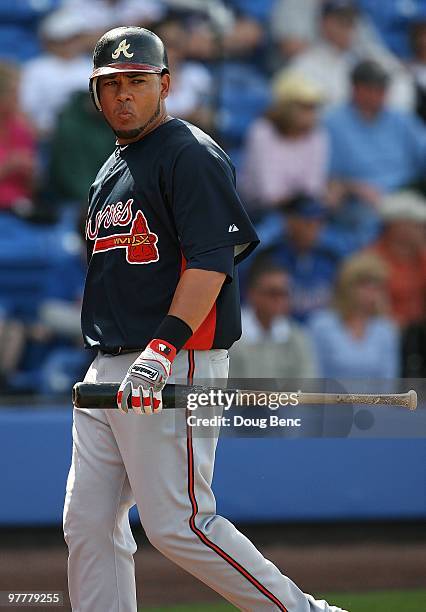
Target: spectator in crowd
x: 246, y: 35
x: 192, y: 86
x: 374, y: 150
x: 293, y: 25
x: 220, y: 28
x: 311, y: 266
x: 286, y: 151
x: 296, y: 25
x: 80, y: 143
x: 204, y: 23
x: 329, y: 61
x: 354, y: 338
x: 272, y: 345
x: 49, y: 80
x: 17, y: 145
x: 402, y: 246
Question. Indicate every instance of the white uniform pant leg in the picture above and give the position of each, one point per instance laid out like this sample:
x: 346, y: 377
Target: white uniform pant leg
x: 170, y: 475
x: 96, y: 525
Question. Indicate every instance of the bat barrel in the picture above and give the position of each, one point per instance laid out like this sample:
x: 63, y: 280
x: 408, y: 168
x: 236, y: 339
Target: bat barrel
x: 407, y: 400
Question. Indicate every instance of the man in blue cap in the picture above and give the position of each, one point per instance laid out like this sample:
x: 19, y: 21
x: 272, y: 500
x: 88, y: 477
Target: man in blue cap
x: 298, y: 249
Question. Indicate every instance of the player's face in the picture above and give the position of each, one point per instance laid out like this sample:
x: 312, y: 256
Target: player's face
x: 133, y: 102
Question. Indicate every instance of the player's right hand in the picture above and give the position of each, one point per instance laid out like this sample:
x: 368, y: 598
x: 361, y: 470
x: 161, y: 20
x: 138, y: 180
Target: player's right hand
x: 146, y: 378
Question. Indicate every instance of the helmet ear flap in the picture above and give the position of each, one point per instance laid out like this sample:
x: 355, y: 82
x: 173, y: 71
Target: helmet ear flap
x: 93, y: 87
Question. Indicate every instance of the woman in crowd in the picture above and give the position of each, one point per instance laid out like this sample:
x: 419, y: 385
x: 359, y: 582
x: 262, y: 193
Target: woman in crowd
x: 354, y: 338
x: 17, y: 145
x: 286, y: 152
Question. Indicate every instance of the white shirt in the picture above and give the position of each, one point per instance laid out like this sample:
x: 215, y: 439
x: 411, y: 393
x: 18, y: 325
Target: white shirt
x: 191, y: 87
x: 283, y: 351
x: 253, y: 332
x: 47, y: 83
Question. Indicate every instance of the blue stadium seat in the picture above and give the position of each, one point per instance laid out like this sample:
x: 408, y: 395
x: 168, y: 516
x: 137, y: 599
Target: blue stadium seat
x: 27, y: 253
x: 258, y: 9
x: 19, y: 43
x: 18, y: 30
x: 18, y: 11
x: 244, y: 95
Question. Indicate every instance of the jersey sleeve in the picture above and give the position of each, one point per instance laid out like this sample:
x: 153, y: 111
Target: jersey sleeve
x: 215, y: 260
x: 207, y: 209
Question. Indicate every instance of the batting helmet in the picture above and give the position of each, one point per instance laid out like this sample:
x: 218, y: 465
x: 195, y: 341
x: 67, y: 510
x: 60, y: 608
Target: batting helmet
x: 127, y: 49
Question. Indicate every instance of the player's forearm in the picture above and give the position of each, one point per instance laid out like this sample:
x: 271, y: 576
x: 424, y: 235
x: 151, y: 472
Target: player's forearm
x: 195, y: 295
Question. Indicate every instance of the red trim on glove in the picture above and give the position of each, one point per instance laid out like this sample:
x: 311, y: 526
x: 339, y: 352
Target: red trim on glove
x: 164, y: 348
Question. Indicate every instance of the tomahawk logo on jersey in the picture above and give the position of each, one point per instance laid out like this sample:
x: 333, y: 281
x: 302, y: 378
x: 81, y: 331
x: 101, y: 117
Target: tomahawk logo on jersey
x: 140, y: 243
x: 143, y: 233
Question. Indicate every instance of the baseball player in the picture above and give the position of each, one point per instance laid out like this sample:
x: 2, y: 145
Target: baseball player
x: 165, y: 231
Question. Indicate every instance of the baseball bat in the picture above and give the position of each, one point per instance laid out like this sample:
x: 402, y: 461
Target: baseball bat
x: 102, y: 395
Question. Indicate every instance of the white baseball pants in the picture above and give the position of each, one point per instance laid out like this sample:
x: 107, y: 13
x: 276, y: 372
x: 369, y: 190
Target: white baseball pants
x: 121, y: 460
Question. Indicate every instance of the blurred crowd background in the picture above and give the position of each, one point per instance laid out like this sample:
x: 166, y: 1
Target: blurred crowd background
x: 321, y: 106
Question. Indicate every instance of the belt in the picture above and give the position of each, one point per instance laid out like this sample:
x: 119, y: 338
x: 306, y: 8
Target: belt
x: 119, y: 350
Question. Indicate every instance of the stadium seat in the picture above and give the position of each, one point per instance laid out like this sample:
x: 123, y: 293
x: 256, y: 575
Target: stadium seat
x: 260, y: 10
x: 19, y: 43
x: 18, y: 30
x: 12, y: 11
x: 26, y: 254
x: 244, y: 95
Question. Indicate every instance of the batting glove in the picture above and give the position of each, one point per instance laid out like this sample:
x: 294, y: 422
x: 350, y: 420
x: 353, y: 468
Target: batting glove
x: 146, y: 378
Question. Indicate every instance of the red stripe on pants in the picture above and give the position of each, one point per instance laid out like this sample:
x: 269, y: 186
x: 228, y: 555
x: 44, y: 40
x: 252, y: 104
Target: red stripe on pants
x: 191, y: 492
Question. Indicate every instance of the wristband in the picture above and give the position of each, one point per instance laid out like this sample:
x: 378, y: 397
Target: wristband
x: 174, y: 331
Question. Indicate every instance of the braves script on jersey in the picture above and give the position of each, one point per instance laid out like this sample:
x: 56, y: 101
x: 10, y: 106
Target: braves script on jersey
x: 159, y: 205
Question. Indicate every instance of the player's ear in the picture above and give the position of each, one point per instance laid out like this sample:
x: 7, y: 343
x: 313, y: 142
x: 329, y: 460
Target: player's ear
x: 165, y: 85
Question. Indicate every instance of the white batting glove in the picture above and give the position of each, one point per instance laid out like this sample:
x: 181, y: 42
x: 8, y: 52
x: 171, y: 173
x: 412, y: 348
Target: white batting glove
x: 146, y: 378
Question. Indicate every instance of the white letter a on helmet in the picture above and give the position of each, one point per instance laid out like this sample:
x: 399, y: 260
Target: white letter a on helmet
x: 122, y: 48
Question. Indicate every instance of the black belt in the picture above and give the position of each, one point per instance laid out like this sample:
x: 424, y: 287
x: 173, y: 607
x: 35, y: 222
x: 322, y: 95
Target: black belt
x: 119, y: 350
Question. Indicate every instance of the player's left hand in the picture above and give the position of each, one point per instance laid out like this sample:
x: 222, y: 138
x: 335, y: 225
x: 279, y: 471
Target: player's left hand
x: 146, y: 378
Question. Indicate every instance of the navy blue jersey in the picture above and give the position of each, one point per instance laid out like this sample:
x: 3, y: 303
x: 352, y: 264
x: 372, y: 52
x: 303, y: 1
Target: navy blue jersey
x: 159, y: 205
